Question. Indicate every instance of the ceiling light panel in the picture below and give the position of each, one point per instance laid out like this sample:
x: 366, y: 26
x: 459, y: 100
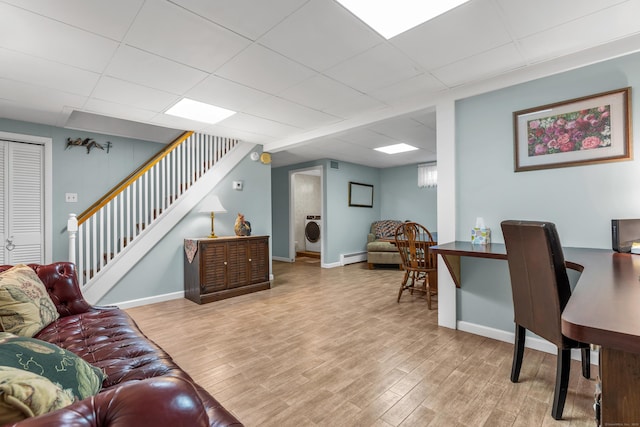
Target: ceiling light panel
x: 392, y: 17
x: 199, y: 111
x: 396, y: 148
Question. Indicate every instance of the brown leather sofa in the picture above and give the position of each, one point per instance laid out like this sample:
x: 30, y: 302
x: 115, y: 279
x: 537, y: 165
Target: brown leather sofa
x: 144, y: 386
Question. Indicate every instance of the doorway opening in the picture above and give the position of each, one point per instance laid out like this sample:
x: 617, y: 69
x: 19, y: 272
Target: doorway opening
x: 306, y: 215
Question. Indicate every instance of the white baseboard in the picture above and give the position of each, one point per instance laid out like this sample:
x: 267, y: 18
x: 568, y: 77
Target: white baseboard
x: 149, y: 300
x: 534, y: 343
x: 281, y: 258
x: 332, y: 265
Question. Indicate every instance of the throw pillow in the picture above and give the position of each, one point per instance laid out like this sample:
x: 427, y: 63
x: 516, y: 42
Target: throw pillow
x: 24, y: 394
x: 385, y: 228
x: 25, y: 305
x: 52, y: 362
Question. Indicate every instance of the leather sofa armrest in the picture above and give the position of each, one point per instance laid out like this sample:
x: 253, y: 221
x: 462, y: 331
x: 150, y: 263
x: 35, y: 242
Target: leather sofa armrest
x: 160, y: 401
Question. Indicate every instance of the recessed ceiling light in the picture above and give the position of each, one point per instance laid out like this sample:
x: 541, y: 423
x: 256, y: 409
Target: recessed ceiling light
x: 396, y: 148
x: 199, y: 111
x: 392, y: 17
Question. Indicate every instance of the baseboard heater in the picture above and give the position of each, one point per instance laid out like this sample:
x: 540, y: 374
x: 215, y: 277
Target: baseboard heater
x: 352, y: 257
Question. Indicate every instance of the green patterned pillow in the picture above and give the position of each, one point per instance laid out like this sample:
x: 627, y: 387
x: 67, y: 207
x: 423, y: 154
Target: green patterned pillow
x: 24, y: 394
x: 52, y: 362
x: 25, y: 305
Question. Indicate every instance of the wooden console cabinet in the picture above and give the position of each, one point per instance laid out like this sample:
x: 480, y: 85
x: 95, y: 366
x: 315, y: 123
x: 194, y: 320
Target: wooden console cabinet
x: 225, y: 267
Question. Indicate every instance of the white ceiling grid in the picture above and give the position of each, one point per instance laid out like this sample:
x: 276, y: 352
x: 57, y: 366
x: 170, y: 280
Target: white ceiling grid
x: 291, y: 68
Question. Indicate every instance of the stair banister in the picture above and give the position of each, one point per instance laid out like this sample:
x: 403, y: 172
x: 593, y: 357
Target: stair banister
x: 100, y: 234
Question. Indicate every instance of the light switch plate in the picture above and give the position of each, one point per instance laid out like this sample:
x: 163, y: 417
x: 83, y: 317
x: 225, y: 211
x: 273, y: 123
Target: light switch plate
x: 71, y: 197
x: 237, y: 185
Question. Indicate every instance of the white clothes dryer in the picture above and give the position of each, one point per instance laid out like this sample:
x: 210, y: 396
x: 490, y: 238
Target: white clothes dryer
x: 312, y: 233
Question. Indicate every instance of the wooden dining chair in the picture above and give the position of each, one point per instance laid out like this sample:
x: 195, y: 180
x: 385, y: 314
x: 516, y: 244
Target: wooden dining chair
x: 420, y: 266
x: 540, y: 290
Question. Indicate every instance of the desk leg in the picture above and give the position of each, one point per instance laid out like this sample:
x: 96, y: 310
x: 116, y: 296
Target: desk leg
x: 620, y: 373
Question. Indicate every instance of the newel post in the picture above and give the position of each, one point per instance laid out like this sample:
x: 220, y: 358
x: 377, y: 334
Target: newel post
x: 72, y: 229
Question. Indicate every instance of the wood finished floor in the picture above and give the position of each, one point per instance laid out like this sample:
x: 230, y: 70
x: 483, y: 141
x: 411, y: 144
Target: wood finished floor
x: 331, y: 347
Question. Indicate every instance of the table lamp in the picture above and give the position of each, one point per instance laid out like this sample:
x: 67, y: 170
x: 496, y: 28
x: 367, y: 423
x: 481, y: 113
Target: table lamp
x: 213, y: 205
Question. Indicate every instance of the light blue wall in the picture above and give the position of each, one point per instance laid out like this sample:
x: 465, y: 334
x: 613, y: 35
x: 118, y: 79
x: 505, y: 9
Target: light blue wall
x: 346, y: 227
x: 396, y: 196
x: 88, y: 175
x: 91, y: 175
x: 402, y: 199
x: 581, y: 200
x: 161, y: 271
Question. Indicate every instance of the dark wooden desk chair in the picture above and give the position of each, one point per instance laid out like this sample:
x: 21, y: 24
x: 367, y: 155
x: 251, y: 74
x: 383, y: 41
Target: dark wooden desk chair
x: 540, y: 289
x: 420, y: 266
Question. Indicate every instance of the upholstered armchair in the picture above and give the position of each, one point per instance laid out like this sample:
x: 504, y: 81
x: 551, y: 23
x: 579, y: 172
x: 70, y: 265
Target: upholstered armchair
x: 379, y: 250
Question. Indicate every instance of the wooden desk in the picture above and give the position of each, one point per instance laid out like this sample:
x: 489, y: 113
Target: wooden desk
x: 604, y: 309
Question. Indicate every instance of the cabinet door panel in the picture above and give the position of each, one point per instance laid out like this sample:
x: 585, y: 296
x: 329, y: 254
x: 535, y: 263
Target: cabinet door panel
x: 212, y: 271
x: 237, y: 268
x: 259, y: 261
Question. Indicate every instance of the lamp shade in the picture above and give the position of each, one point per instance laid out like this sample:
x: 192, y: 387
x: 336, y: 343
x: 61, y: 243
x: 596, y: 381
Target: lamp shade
x: 212, y: 204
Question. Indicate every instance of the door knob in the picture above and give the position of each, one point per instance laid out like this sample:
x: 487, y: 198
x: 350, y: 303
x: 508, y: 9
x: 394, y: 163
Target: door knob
x: 10, y: 245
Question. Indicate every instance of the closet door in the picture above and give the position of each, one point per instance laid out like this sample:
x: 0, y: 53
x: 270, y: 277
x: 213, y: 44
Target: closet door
x: 4, y: 190
x: 21, y: 202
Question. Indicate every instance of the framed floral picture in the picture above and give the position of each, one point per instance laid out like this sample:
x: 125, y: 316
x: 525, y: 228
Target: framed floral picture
x: 587, y: 130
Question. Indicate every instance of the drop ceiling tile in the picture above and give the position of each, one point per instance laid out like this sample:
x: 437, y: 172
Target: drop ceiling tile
x: 526, y: 17
x: 179, y: 35
x: 110, y: 18
x: 562, y: 40
x: 415, y: 88
x: 405, y: 129
x: 320, y: 35
x: 38, y: 97
x: 247, y: 17
x: 284, y: 158
x: 487, y: 64
x: 146, y: 69
x: 354, y: 107
x: 365, y: 137
x: 225, y: 93
x: 112, y: 109
x: 264, y: 69
x: 472, y: 28
x: 247, y: 122
x: 283, y: 111
x: 325, y: 94
x: 133, y: 95
x: 29, y: 113
x: 426, y: 117
x: 175, y: 122
x: 241, y: 135
x: 53, y: 40
x: 45, y: 73
x: 376, y: 68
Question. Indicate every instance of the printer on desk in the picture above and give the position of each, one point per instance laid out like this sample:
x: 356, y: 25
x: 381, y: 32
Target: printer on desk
x: 625, y: 235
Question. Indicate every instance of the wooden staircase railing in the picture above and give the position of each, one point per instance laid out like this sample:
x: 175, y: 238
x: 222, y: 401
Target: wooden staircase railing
x: 99, y: 234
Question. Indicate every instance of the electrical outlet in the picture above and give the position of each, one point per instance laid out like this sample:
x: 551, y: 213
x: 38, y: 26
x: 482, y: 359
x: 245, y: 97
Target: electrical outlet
x: 71, y: 197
